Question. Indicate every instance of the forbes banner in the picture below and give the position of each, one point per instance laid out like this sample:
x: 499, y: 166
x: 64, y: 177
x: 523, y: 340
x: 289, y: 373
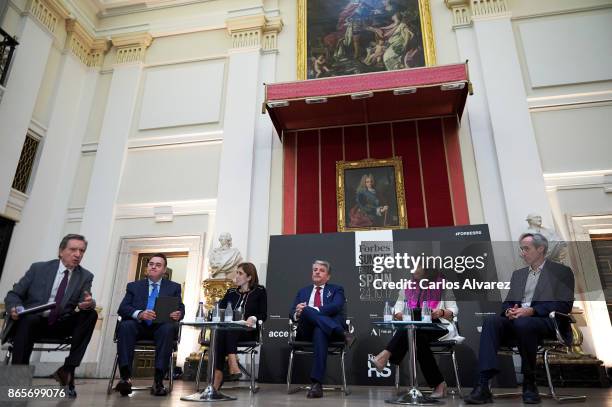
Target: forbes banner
x: 373, y: 266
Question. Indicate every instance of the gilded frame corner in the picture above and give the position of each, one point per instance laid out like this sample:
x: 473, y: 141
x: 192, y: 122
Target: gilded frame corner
x: 342, y: 166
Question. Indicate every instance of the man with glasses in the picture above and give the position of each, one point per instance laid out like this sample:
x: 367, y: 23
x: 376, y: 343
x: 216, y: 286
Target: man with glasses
x: 535, y: 291
x: 61, y: 281
x: 138, y: 322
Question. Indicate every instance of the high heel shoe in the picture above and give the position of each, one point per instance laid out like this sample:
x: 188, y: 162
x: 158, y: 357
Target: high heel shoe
x: 234, y: 377
x: 439, y: 394
x: 380, y: 368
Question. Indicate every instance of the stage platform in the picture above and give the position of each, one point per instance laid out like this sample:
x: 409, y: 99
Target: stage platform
x: 92, y: 392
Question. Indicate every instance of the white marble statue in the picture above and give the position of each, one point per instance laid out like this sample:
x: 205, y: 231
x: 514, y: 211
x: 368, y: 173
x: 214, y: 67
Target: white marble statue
x: 224, y: 259
x: 557, y: 248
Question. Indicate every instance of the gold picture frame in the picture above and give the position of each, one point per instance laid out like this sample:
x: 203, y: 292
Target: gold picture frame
x: 327, y: 44
x: 370, y: 194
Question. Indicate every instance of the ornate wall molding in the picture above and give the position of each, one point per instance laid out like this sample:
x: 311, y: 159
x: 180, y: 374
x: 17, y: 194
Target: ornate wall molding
x: 464, y: 11
x: 86, y: 48
x: 462, y: 15
x: 48, y: 12
x: 273, y: 26
x: 131, y: 47
x: 489, y: 8
x: 246, y: 31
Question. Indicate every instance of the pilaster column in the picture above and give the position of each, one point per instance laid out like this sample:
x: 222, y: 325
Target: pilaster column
x: 39, y: 23
x: 507, y: 160
x: 236, y: 170
x: 45, y: 210
x: 98, y: 215
x: 264, y: 136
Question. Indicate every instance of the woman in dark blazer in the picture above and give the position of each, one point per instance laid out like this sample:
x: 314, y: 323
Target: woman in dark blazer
x: 252, y: 298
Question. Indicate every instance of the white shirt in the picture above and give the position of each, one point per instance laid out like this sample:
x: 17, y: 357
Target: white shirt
x: 312, y: 296
x: 533, y: 276
x: 311, y: 299
x: 59, y: 275
x: 151, y: 282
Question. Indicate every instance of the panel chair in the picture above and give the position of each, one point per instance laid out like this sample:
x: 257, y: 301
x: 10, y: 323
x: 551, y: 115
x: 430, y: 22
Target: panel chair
x: 338, y: 348
x: 446, y: 348
x: 250, y: 348
x: 59, y: 344
x: 145, y: 346
x: 559, y: 345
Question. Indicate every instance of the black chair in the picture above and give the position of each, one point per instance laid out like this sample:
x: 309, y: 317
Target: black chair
x: 558, y: 345
x: 144, y: 346
x: 447, y: 348
x: 59, y: 344
x: 250, y: 348
x: 306, y: 348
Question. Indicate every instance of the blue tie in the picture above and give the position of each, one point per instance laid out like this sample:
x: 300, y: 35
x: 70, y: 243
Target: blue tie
x: 151, y: 300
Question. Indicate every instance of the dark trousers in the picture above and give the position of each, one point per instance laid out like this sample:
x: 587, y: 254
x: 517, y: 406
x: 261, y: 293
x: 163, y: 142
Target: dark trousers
x: 30, y: 328
x: 398, y: 346
x: 130, y: 331
x: 227, y: 343
x: 525, y: 332
x: 320, y: 329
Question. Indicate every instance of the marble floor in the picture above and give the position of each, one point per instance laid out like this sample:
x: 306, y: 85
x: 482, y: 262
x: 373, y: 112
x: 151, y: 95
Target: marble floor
x: 92, y: 392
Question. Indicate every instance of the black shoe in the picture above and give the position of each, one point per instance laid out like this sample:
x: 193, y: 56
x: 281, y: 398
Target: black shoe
x: 71, y: 392
x: 234, y: 377
x: 531, y: 395
x: 124, y: 387
x: 63, y: 377
x: 316, y: 391
x: 158, y: 389
x: 480, y: 395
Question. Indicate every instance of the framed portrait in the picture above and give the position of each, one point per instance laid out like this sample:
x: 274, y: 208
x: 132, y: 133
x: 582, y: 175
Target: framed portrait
x: 370, y: 195
x: 347, y: 37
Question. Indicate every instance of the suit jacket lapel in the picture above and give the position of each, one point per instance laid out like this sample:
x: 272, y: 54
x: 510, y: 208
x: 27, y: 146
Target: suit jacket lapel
x: 144, y: 287
x: 542, y: 282
x: 50, y: 278
x: 521, y: 281
x: 326, y: 294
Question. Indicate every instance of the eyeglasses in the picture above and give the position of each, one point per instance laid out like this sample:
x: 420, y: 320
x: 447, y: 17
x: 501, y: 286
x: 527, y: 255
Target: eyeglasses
x: 151, y: 264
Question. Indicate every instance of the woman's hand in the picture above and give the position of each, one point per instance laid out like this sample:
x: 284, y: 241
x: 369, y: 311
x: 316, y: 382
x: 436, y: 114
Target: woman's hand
x: 398, y: 316
x: 251, y: 321
x: 437, y: 314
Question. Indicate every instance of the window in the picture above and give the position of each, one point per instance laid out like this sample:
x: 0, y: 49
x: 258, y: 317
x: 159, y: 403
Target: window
x: 26, y: 162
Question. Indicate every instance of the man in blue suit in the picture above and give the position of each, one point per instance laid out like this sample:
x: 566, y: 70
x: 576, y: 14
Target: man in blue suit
x: 535, y: 291
x: 318, y: 310
x: 138, y: 322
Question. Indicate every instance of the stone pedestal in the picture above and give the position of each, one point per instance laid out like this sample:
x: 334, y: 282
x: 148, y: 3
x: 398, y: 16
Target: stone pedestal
x: 214, y: 290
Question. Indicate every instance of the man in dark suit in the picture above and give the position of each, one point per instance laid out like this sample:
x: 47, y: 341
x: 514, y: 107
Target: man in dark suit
x: 63, y: 282
x: 138, y: 322
x: 319, y: 312
x: 535, y: 291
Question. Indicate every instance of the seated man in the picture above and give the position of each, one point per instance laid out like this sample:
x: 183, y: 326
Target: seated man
x: 319, y: 311
x: 65, y: 283
x: 535, y: 291
x: 138, y: 322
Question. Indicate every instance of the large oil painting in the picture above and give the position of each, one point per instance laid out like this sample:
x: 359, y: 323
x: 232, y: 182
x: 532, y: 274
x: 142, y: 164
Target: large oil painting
x: 346, y: 37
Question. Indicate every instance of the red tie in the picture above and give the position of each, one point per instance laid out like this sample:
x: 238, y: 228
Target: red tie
x: 317, y: 298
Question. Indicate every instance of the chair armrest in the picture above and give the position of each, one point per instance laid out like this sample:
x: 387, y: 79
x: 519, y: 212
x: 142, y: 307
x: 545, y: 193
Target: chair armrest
x: 553, y: 315
x: 260, y: 327
x: 292, y: 330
